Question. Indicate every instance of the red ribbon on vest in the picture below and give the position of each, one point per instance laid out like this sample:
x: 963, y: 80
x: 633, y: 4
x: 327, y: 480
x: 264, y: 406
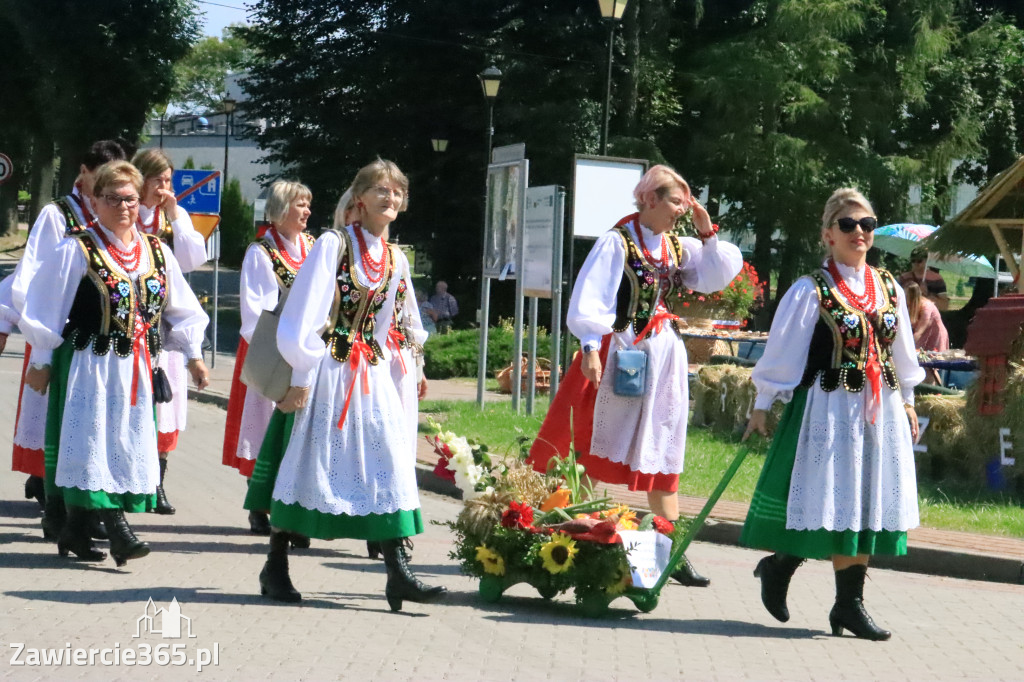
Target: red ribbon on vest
x: 139, y: 347
x: 360, y: 350
x: 656, y: 323
x: 394, y: 342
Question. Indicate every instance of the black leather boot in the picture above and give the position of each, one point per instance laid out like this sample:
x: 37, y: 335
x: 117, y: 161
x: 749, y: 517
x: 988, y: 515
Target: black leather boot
x: 162, y: 505
x: 298, y: 541
x: 97, y: 531
x: 74, y: 537
x: 274, y: 579
x: 54, y: 517
x: 775, y: 572
x: 259, y: 523
x: 403, y: 585
x: 123, y: 543
x: 373, y: 549
x: 34, y: 487
x: 849, y: 611
x: 687, y: 575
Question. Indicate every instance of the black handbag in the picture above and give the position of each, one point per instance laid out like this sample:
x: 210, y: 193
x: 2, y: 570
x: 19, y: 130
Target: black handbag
x: 162, y: 392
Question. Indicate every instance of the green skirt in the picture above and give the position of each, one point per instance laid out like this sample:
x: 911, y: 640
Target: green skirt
x: 60, y: 368
x: 310, y: 522
x: 765, y: 527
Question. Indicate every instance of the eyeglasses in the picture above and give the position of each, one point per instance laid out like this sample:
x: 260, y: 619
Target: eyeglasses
x: 867, y: 223
x: 114, y: 200
x: 386, y: 193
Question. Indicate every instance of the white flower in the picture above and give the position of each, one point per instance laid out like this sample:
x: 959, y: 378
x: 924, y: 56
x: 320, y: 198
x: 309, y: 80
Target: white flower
x: 466, y: 479
x: 460, y: 445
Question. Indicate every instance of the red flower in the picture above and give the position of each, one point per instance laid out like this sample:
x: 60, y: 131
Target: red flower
x: 442, y: 471
x: 663, y: 525
x: 518, y: 515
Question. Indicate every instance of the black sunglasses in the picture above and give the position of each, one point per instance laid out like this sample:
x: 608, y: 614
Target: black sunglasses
x: 867, y: 223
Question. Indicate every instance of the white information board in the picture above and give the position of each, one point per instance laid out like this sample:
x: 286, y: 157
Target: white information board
x: 648, y: 553
x: 506, y: 202
x: 538, y: 240
x: 602, y: 192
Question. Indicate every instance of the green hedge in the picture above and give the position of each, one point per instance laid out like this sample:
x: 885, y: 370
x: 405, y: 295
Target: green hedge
x: 455, y: 354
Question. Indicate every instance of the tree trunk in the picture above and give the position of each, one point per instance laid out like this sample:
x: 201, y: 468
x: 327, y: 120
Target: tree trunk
x: 628, y: 90
x: 41, y: 176
x: 69, y: 162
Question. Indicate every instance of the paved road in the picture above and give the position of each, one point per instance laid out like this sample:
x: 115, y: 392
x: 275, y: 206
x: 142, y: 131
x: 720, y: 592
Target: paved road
x: 205, y: 558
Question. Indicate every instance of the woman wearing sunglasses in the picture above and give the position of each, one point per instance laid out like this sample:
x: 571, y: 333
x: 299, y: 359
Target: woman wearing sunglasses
x: 839, y: 480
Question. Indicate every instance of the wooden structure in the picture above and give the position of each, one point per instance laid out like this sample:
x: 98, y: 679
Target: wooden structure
x: 991, y: 337
x: 999, y: 211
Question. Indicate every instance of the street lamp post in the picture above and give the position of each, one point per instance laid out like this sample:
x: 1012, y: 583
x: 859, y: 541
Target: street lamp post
x: 611, y: 12
x: 490, y: 81
x: 163, y: 113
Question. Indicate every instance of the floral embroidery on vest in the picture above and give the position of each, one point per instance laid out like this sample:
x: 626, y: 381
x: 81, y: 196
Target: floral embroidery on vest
x: 355, y: 307
x: 72, y: 223
x: 641, y: 286
x: 112, y: 323
x: 839, y: 345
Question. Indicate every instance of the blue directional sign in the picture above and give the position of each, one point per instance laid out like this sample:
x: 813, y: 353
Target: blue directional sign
x: 198, y: 191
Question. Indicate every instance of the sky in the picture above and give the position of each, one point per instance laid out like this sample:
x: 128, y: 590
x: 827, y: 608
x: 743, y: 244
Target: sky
x: 220, y: 13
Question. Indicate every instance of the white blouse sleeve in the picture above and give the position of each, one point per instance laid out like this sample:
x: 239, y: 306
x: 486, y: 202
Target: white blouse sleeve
x: 183, y: 319
x: 307, y: 308
x: 46, y: 234
x: 49, y: 299
x: 904, y: 355
x: 258, y: 289
x: 592, y: 304
x: 410, y: 309
x: 782, y: 366
x: 8, y: 315
x: 711, y: 266
x: 189, y: 245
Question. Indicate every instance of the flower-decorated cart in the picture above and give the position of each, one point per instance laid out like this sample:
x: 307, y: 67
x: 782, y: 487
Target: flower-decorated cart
x: 552, y: 532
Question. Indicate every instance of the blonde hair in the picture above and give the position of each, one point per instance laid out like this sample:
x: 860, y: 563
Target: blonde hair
x: 839, y: 201
x: 659, y: 179
x: 341, y: 211
x: 152, y: 162
x: 280, y: 197
x: 913, y: 293
x: 116, y: 173
x: 374, y: 173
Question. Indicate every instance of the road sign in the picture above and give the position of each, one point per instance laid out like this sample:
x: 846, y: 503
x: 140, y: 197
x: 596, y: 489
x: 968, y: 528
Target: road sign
x: 198, y: 191
x: 6, y: 168
x: 205, y: 224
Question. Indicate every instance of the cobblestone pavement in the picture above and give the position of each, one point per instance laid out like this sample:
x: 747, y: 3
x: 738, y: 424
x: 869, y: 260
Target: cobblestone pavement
x: 205, y: 558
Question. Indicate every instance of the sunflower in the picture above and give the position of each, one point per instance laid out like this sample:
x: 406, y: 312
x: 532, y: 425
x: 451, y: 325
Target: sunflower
x: 558, y: 553
x: 627, y: 520
x: 623, y: 579
x: 492, y: 561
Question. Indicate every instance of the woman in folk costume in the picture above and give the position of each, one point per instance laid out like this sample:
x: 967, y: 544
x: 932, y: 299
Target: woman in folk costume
x: 160, y: 215
x: 623, y: 299
x: 341, y: 465
x: 65, y: 216
x: 839, y: 480
x: 106, y: 294
x: 268, y: 270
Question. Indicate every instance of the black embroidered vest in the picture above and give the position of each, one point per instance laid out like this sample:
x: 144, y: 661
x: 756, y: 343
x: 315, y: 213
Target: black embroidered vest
x: 399, y: 320
x: 839, y: 344
x: 637, y: 297
x: 283, y: 272
x: 106, y: 303
x: 71, y: 221
x: 353, y: 314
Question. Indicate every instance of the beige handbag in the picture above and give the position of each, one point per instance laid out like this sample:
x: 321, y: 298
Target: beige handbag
x: 265, y: 371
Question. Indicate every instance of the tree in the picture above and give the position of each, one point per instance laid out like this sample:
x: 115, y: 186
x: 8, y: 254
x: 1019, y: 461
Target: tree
x: 102, y: 66
x: 199, y: 78
x: 236, y: 225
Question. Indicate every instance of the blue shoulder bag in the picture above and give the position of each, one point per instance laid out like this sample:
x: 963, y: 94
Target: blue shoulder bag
x: 630, y: 372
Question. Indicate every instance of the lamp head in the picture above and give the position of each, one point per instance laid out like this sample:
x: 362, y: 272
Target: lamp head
x: 490, y: 81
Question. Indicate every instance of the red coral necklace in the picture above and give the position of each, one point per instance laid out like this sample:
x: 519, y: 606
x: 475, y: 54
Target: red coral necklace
x: 865, y: 302
x: 374, y: 269
x: 661, y: 264
x: 128, y: 259
x: 284, y: 251
x: 154, y: 224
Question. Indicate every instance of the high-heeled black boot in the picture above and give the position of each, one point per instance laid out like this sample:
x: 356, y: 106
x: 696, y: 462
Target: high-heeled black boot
x: 54, y: 517
x: 373, y: 549
x: 849, y: 611
x: 403, y: 585
x: 259, y: 523
x: 34, y: 487
x: 687, y: 575
x: 94, y: 524
x: 274, y: 579
x: 775, y: 572
x: 123, y: 543
x: 162, y: 505
x: 298, y: 541
x: 74, y: 537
